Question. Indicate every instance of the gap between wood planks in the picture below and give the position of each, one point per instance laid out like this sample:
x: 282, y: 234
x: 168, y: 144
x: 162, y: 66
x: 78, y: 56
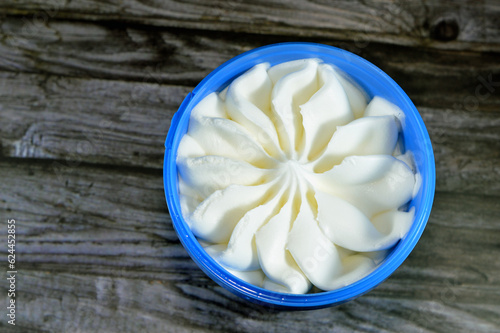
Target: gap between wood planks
x: 88, y: 205
x: 99, y: 225
x: 109, y: 234
x: 437, y: 78
x: 97, y: 121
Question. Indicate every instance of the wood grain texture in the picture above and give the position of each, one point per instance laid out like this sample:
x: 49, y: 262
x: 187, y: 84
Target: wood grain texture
x: 437, y: 78
x: 82, y: 120
x: 437, y: 24
x: 87, y: 92
x: 98, y: 253
x: 125, y: 123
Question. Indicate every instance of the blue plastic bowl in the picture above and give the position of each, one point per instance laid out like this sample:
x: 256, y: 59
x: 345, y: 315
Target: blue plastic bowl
x: 375, y: 82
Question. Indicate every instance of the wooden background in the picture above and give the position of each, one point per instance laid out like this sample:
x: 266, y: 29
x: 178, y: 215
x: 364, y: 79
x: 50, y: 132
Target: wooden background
x: 87, y: 91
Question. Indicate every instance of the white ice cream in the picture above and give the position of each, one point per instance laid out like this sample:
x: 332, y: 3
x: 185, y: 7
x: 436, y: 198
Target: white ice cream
x: 292, y: 179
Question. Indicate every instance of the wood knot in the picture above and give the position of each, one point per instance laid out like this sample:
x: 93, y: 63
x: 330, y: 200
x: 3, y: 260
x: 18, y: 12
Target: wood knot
x: 445, y: 30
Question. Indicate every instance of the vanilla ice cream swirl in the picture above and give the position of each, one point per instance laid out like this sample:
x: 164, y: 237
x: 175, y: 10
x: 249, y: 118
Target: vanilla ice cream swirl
x: 290, y: 178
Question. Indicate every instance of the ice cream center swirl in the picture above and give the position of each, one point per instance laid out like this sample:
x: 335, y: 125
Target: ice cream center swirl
x: 290, y: 178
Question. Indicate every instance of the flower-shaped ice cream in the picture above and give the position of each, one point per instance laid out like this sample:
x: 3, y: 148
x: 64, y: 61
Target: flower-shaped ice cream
x: 290, y: 179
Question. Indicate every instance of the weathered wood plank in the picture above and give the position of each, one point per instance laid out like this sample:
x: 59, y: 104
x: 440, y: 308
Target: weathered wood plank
x: 466, y: 149
x: 81, y: 120
x: 121, y: 305
x: 81, y: 154
x: 97, y: 250
x: 438, y: 24
x: 125, y: 123
x: 124, y: 52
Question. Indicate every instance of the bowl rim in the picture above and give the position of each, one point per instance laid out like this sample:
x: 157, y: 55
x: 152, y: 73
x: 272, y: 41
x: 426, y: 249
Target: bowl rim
x: 260, y: 295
